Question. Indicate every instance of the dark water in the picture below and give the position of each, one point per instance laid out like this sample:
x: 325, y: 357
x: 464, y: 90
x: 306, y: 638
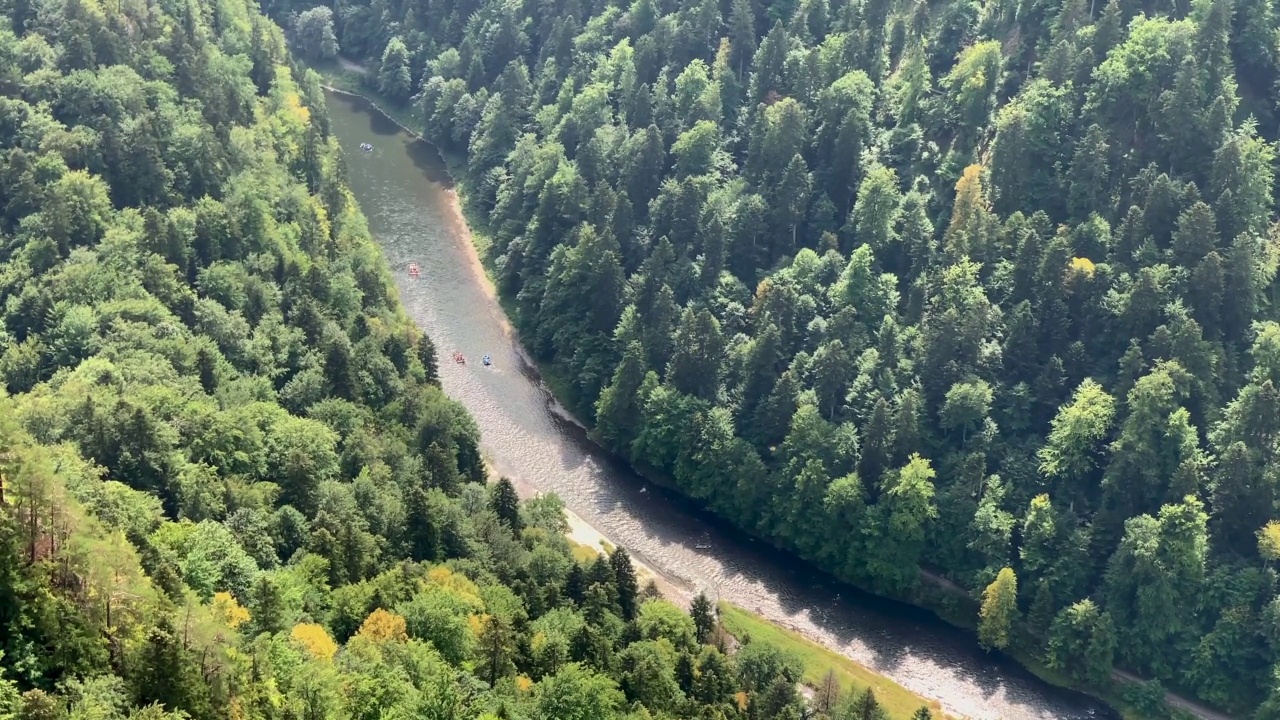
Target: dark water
x: 406, y: 195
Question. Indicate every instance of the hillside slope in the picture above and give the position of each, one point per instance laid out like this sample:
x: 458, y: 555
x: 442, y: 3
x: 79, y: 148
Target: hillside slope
x: 986, y: 286
x: 230, y: 485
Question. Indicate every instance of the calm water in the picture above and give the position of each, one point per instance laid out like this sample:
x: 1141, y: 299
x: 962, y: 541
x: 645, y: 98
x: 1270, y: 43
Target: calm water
x: 406, y: 195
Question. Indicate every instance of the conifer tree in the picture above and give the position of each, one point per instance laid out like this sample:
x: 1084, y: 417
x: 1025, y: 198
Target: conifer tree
x: 506, y: 504
x: 703, y: 614
x: 624, y: 575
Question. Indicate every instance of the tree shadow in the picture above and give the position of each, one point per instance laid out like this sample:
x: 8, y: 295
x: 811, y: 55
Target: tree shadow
x: 672, y: 533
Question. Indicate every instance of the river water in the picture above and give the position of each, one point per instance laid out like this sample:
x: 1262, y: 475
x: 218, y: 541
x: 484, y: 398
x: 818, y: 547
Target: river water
x: 407, y: 197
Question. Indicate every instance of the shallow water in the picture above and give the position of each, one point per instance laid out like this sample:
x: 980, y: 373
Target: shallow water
x: 406, y: 195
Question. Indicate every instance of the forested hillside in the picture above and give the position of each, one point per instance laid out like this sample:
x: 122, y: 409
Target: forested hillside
x: 983, y: 288
x: 230, y: 485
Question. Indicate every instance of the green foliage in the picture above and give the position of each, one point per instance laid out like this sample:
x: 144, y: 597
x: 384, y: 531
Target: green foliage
x: 937, y: 351
x: 999, y: 610
x: 576, y: 693
x: 661, y: 620
x: 394, y: 80
x: 314, y: 33
x: 904, y: 369
x: 1082, y: 642
x: 230, y: 484
x: 703, y: 616
x: 506, y: 504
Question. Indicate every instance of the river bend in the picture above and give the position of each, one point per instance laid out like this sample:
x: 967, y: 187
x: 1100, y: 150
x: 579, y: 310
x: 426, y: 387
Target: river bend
x: 407, y: 197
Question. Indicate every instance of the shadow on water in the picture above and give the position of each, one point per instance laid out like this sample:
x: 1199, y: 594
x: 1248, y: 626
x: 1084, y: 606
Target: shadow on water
x: 381, y: 125
x: 425, y: 156
x: 403, y: 189
x: 835, y: 607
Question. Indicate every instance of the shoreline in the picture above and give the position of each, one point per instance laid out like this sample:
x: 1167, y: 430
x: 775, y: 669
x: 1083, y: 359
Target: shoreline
x: 583, y: 534
x: 579, y: 530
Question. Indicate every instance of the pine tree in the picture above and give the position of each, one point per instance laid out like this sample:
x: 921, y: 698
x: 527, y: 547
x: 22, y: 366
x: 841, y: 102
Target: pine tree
x: 704, y: 619
x: 1089, y: 174
x: 505, y: 503
x: 698, y: 354
x: 742, y: 36
x: 423, y: 533
x: 394, y: 80
x: 206, y: 362
x: 867, y: 707
x: 575, y: 584
x: 624, y: 575
x: 266, y: 606
x: 686, y: 673
x: 497, y: 645
x: 828, y: 693
x: 427, y: 357
x: 165, y: 676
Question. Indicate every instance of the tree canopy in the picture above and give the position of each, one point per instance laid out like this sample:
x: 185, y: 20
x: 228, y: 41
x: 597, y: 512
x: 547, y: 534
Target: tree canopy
x: 230, y: 484
x: 977, y: 286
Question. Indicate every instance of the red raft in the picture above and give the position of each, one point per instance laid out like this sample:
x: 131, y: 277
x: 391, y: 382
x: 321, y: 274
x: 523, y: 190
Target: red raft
x: 413, y: 270
x: 457, y: 357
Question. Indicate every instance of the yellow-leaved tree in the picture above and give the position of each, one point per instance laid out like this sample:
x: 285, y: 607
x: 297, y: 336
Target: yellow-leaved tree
x: 315, y: 639
x: 1269, y: 542
x: 228, y: 610
x: 383, y: 626
x: 999, y: 610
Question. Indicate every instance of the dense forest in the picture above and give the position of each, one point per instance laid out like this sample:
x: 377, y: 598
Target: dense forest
x: 979, y: 293
x: 231, y: 487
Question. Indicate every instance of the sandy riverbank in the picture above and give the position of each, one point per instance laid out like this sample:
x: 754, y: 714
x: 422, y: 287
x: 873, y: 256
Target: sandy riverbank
x: 587, y: 536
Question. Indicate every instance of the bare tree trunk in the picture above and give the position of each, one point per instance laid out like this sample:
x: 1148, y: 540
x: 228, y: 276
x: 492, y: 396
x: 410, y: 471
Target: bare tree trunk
x: 34, y: 531
x: 828, y: 692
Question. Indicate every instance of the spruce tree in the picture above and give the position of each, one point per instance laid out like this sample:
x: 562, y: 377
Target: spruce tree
x: 867, y: 707
x: 497, y: 645
x: 266, y: 606
x: 423, y: 531
x: 625, y: 581
x: 575, y: 584
x: 506, y: 504
x: 427, y: 356
x: 704, y: 619
x: 685, y: 672
x: 394, y: 79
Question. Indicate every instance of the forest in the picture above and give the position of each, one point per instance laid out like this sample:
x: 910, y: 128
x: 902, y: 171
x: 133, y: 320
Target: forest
x: 231, y: 487
x: 961, y: 293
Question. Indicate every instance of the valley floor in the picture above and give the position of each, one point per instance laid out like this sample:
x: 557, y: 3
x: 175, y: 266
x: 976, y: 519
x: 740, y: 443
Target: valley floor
x: 346, y: 75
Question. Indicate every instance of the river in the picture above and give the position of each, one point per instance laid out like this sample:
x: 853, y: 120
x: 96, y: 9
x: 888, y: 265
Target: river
x: 406, y: 195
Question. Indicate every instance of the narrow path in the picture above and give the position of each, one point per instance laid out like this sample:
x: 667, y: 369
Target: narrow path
x: 1191, y: 706
x: 942, y: 582
x: 1120, y: 676
x: 352, y: 66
